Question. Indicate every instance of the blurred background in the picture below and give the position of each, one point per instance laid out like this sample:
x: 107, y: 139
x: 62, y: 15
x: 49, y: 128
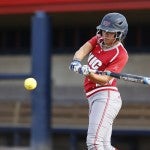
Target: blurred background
x: 73, y: 22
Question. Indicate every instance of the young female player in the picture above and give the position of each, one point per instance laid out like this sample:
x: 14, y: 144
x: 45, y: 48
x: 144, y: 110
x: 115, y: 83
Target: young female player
x: 106, y: 53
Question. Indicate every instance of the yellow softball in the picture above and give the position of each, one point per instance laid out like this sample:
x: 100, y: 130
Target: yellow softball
x: 30, y: 84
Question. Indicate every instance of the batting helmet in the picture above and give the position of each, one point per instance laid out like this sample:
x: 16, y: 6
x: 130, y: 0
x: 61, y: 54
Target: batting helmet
x: 114, y: 22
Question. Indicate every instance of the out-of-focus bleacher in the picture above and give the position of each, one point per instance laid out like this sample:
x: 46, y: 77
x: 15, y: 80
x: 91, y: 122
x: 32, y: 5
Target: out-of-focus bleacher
x: 69, y: 105
x: 70, y: 120
x: 15, y: 113
x: 65, y: 81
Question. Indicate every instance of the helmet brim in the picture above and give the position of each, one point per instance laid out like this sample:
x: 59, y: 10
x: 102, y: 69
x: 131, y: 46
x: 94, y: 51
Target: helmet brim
x: 107, y: 29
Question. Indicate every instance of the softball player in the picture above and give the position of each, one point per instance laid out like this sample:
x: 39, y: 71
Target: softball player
x: 106, y: 53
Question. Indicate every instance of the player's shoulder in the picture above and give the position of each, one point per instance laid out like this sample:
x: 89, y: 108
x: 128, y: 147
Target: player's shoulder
x: 121, y: 48
x: 95, y: 40
x: 122, y: 51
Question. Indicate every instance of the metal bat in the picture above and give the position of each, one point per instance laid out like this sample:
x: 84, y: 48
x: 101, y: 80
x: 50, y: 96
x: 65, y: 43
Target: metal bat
x: 125, y: 76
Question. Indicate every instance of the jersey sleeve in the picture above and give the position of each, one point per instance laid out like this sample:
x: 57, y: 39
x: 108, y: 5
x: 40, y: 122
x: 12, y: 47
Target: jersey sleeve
x: 118, y: 64
x: 93, y: 41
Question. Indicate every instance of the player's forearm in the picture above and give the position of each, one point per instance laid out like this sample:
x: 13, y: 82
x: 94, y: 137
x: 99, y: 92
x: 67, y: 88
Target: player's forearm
x: 83, y: 51
x: 79, y: 55
x: 99, y: 79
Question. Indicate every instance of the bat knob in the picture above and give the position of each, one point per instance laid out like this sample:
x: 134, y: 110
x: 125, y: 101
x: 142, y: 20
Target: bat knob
x: 146, y: 80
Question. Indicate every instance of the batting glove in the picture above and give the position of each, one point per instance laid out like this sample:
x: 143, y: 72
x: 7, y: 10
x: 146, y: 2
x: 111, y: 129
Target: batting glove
x: 75, y: 66
x: 85, y: 70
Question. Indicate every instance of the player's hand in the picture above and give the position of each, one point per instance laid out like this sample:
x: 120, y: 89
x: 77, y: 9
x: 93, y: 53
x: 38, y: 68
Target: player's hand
x: 75, y: 66
x: 85, y: 70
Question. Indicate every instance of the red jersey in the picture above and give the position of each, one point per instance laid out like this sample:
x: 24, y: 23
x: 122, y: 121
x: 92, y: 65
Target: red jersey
x: 112, y: 59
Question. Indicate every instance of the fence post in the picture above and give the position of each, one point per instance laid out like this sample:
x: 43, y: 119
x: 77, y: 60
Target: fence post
x: 41, y: 96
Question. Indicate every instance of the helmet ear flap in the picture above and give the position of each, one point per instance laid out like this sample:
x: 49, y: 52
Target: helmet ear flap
x: 118, y: 35
x: 99, y: 31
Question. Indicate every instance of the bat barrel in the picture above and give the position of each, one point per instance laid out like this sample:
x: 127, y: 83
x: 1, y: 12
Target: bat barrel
x: 146, y: 80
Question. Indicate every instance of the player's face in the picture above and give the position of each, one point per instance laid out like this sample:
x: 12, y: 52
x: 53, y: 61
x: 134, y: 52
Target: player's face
x: 109, y: 38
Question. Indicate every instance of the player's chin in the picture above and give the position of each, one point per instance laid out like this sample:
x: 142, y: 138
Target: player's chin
x: 108, y: 42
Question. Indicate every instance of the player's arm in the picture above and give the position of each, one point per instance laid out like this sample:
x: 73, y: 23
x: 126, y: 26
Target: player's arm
x: 83, y: 51
x: 79, y: 56
x: 100, y: 79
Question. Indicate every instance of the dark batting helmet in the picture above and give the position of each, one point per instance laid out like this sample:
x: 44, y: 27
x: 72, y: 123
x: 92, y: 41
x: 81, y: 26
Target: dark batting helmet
x: 114, y: 22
